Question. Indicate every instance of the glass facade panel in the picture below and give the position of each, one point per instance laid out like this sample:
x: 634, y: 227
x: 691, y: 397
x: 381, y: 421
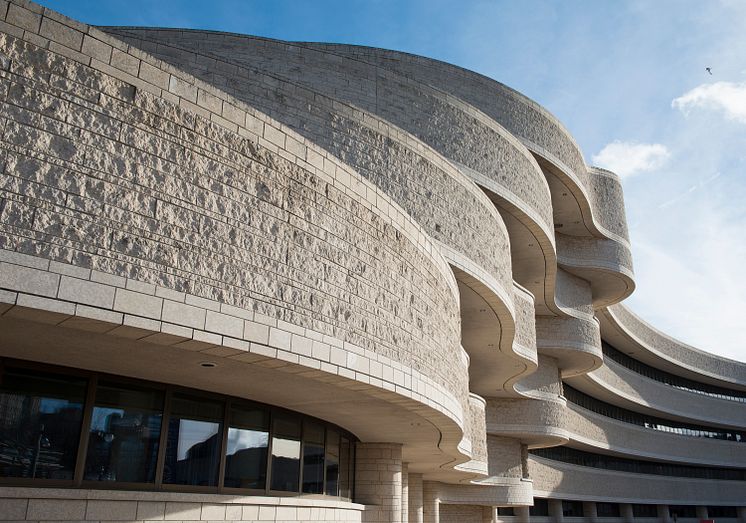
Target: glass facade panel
x: 572, y: 509
x: 669, y: 379
x: 144, y: 435
x: 607, y: 510
x: 313, y: 458
x: 345, y: 467
x: 603, y: 461
x: 682, y: 511
x: 124, y: 434
x: 332, y: 463
x: 506, y: 511
x: 640, y: 510
x: 246, y: 450
x: 40, y: 422
x: 285, y: 453
x: 722, y: 512
x: 540, y: 508
x: 194, y: 441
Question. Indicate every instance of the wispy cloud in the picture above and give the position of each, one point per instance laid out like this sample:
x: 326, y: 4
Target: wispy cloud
x: 630, y: 158
x: 728, y: 97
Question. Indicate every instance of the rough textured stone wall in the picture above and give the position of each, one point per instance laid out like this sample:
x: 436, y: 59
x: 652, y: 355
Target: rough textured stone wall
x: 104, y: 174
x: 518, y: 114
x: 449, y: 126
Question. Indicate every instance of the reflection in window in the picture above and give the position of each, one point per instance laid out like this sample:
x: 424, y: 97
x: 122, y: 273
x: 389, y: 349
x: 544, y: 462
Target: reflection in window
x: 194, y: 441
x: 124, y: 434
x: 345, y: 468
x: 246, y: 452
x: 313, y: 458
x: 286, y: 453
x: 332, y: 463
x: 40, y: 420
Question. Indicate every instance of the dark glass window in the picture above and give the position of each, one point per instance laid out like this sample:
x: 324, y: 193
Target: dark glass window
x: 143, y: 435
x: 682, y: 511
x: 124, y: 434
x: 246, y: 451
x: 650, y: 422
x: 194, y: 441
x: 40, y: 422
x: 285, y: 453
x: 669, y: 379
x: 637, y: 466
x: 332, y: 462
x: 506, y: 511
x: 607, y: 510
x: 346, y: 460
x: 313, y: 458
x: 644, y: 511
x: 540, y: 508
x: 572, y: 509
x: 722, y: 512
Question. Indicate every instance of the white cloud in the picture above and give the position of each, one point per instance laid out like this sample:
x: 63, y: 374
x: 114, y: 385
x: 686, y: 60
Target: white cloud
x: 727, y: 97
x: 629, y: 158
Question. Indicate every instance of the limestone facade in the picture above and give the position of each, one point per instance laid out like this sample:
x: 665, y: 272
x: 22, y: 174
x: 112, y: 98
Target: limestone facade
x: 382, y: 245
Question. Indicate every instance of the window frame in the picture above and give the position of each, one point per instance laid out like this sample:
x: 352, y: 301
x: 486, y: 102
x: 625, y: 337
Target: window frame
x: 169, y: 390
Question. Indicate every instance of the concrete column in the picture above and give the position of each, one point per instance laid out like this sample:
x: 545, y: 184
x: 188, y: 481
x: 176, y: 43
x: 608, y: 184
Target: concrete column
x: 625, y: 510
x: 555, y: 510
x: 415, y: 498
x: 663, y: 514
x: 430, y: 502
x: 405, y: 492
x: 701, y: 512
x: 522, y: 514
x: 589, y: 511
x: 489, y: 514
x: 378, y: 473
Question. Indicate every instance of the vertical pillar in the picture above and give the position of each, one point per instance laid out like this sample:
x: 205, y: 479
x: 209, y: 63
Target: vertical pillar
x: 378, y: 474
x: 555, y: 510
x: 625, y: 510
x: 522, y: 514
x: 405, y: 492
x: 489, y: 514
x: 663, y: 514
x: 701, y: 512
x: 430, y: 502
x: 415, y: 498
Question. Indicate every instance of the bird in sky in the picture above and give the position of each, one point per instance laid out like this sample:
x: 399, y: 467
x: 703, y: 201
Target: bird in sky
x: 709, y: 70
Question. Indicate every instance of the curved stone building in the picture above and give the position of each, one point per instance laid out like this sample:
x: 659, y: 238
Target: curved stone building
x: 244, y: 279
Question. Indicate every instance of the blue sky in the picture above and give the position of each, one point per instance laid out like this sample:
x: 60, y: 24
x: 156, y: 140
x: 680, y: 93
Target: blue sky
x: 628, y: 80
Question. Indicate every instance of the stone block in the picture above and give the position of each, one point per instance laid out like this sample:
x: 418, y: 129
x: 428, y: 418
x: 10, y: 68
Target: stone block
x: 137, y: 303
x: 13, y: 509
x: 124, y: 62
x: 96, y: 49
x: 176, y: 511
x: 182, y: 314
x: 23, y: 18
x: 111, y: 510
x: 224, y: 324
x: 61, y: 34
x: 56, y: 509
x: 28, y: 280
x: 151, y: 510
x: 86, y: 292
